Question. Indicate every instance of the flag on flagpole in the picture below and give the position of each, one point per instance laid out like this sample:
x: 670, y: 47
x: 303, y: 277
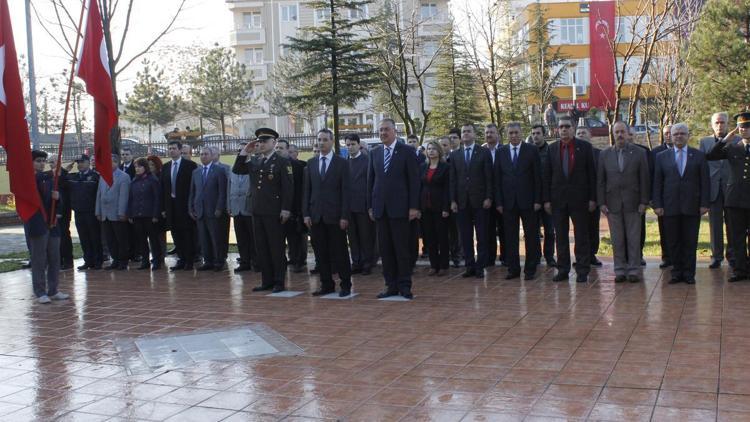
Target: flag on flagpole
x: 14, y: 131
x: 93, y: 68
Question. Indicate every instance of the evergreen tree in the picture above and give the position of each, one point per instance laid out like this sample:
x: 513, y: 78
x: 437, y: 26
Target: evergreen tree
x: 151, y: 103
x: 219, y: 87
x: 456, y: 98
x: 720, y: 47
x: 546, y: 63
x: 336, y: 58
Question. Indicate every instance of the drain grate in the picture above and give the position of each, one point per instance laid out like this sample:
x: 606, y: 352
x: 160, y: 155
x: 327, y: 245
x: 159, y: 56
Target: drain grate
x: 143, y: 355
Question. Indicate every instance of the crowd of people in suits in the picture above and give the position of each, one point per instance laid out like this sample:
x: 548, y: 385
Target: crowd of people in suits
x: 467, y: 202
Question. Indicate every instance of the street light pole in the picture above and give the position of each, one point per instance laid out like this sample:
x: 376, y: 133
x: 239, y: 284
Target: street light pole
x: 32, y: 80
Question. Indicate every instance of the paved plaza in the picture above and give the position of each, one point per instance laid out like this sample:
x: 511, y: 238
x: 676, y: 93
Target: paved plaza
x: 463, y: 350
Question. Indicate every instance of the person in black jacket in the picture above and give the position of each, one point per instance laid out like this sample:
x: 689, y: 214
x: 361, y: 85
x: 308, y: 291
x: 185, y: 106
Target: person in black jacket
x: 294, y: 229
x: 176, y: 175
x: 361, y: 228
x: 434, y: 202
x: 666, y: 261
x: 144, y: 205
x: 82, y: 186
x: 66, y: 241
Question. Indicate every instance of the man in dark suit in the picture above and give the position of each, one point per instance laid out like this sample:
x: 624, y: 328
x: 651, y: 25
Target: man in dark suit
x: 325, y: 207
x: 207, y: 205
x: 570, y: 194
x: 295, y: 231
x: 416, y: 230
x: 495, y: 222
x: 453, y: 143
x: 127, y: 162
x: 584, y: 133
x: 719, y: 174
x: 361, y: 228
x: 393, y: 201
x: 681, y: 195
x: 737, y: 198
x: 518, y: 194
x: 176, y: 176
x: 666, y: 261
x: 471, y: 193
x: 273, y: 191
x: 545, y: 220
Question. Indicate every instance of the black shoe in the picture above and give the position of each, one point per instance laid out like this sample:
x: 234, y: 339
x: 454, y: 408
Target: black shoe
x: 735, y: 278
x: 205, y: 267
x: 674, y: 280
x: 321, y: 292
x: 407, y: 295
x: 144, y: 265
x: 511, y: 276
x: 716, y: 263
x: 469, y: 272
x: 633, y: 278
x: 385, y: 294
x: 551, y: 262
x: 620, y: 279
x: 690, y: 281
x: 356, y: 270
x: 528, y: 276
x: 560, y: 277
x: 366, y: 271
x: 278, y: 289
x: 262, y: 288
x: 665, y: 264
x: 242, y: 268
x: 582, y: 278
x: 83, y: 267
x: 595, y: 262
x: 345, y: 293
x: 172, y: 251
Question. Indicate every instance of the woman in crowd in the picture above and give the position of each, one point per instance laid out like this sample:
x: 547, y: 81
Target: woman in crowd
x: 154, y: 167
x: 144, y: 211
x: 435, y: 207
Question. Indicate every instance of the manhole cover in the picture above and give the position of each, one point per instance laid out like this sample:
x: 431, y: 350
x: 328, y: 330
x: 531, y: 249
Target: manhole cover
x: 157, y: 353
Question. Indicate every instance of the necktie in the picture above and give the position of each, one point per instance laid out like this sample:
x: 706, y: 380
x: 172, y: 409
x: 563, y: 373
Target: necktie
x: 323, y: 167
x: 565, y: 159
x: 515, y: 156
x: 174, y: 178
x: 620, y: 161
x: 205, y: 173
x: 467, y: 153
x: 680, y: 162
x: 386, y: 159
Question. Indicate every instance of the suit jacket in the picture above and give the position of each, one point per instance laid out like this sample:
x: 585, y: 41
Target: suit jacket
x: 518, y: 186
x: 358, y: 185
x: 623, y: 191
x: 82, y: 188
x: 144, y: 197
x: 239, y: 195
x: 435, y: 192
x: 271, y: 182
x: 326, y: 197
x: 177, y: 215
x: 209, y: 196
x: 112, y: 201
x: 681, y: 195
x: 130, y: 170
x: 737, y: 192
x: 719, y: 170
x: 394, y: 193
x: 471, y: 184
x: 579, y: 186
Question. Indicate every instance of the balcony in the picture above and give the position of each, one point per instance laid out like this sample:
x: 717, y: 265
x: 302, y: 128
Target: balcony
x: 247, y: 36
x: 235, y: 5
x: 434, y: 26
x: 260, y: 72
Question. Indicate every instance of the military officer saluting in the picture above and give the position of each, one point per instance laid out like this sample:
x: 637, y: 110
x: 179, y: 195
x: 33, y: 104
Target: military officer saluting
x: 737, y: 200
x: 273, y: 189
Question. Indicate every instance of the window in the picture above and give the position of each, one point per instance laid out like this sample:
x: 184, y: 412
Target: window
x: 580, y: 72
x: 429, y: 10
x: 322, y: 15
x: 430, y: 49
x: 254, y: 56
x: 632, y: 70
x: 629, y: 25
x: 289, y: 13
x: 358, y: 13
x: 251, y: 20
x: 569, y: 31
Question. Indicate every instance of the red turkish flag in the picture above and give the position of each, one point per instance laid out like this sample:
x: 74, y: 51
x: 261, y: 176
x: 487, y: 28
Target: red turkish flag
x: 93, y: 68
x: 14, y: 132
x: 602, y: 32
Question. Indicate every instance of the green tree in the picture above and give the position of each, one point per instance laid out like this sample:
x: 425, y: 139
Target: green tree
x: 456, y: 98
x: 151, y: 103
x: 720, y: 47
x: 546, y: 63
x: 219, y: 87
x: 335, y: 55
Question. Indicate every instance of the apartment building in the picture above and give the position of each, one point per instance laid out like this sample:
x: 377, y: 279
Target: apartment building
x: 261, y: 28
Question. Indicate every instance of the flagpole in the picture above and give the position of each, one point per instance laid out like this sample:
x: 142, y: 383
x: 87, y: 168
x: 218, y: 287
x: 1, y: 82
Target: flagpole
x: 58, y: 163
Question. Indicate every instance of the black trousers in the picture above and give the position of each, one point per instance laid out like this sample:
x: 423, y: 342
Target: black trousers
x: 90, y: 237
x: 211, y: 235
x: 662, y: 240
x: 495, y: 230
x: 243, y: 231
x: 471, y: 220
x: 296, y: 239
x: 595, y: 216
x: 184, y: 236
x: 454, y: 239
x: 581, y: 218
x: 147, y: 237
x: 269, y: 245
x: 118, y: 243
x: 333, y: 252
x: 224, y: 242
x: 66, y: 242
x: 530, y: 222
x: 739, y: 221
x: 547, y: 222
x: 393, y: 241
x: 682, y: 242
x: 435, y: 230
x: 414, y: 241
x: 362, y: 240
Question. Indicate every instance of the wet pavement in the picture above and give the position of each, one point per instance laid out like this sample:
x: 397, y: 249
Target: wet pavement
x: 464, y: 349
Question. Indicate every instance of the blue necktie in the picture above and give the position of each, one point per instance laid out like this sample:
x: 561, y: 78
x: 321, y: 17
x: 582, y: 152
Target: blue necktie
x: 515, y: 156
x: 323, y: 167
x: 467, y: 152
x: 205, y: 172
x: 387, y: 159
x: 680, y: 162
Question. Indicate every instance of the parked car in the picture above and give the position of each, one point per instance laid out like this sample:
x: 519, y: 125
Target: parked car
x: 598, y: 128
x: 641, y: 129
x: 225, y: 143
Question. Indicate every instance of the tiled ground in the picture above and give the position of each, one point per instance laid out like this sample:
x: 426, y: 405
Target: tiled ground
x: 462, y: 350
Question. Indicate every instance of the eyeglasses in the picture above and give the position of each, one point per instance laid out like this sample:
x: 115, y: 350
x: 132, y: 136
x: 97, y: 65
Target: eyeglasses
x: 744, y: 125
x: 565, y: 126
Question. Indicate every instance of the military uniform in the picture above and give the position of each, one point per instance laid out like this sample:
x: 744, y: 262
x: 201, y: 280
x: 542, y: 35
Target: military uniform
x: 83, y: 186
x: 273, y: 189
x: 737, y: 195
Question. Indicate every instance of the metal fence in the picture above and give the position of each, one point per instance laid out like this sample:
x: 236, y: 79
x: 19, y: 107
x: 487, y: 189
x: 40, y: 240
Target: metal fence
x: 304, y: 142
